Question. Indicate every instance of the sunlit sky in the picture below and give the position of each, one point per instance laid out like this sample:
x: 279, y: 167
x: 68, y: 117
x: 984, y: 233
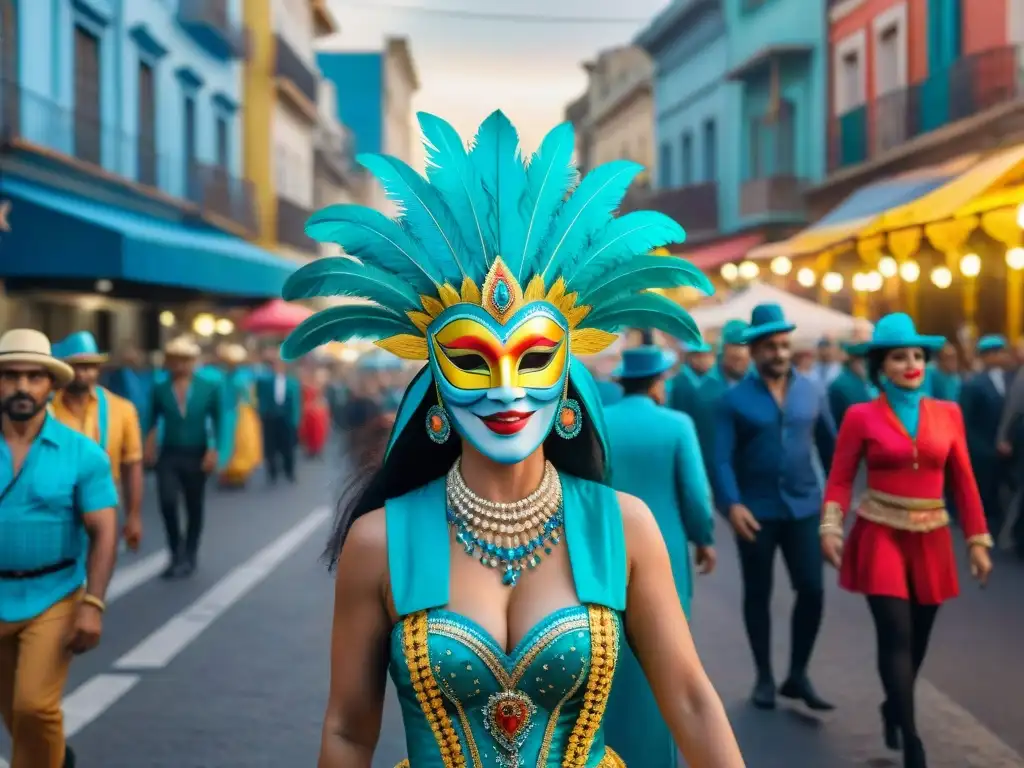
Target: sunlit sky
x: 470, y: 67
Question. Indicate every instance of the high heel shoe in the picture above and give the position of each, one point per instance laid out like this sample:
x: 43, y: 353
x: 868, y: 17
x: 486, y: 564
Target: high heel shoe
x: 913, y: 753
x: 890, y: 731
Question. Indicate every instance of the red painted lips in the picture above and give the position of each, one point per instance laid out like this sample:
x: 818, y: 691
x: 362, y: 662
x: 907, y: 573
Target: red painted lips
x: 507, y: 422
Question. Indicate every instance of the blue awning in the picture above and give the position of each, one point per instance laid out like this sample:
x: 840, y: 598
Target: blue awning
x: 54, y: 234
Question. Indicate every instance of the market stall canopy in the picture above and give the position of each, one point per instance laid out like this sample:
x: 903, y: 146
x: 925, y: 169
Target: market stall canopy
x: 275, y: 317
x: 812, y: 320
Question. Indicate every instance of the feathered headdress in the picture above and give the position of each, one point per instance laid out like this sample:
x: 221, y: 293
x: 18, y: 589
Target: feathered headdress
x: 485, y: 227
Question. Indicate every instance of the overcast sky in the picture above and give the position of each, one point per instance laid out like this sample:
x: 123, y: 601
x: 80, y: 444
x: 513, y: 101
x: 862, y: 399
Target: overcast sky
x: 469, y: 67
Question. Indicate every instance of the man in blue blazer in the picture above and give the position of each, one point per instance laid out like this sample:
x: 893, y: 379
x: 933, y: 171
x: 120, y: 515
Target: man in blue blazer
x: 279, y: 400
x: 766, y: 481
x: 656, y: 457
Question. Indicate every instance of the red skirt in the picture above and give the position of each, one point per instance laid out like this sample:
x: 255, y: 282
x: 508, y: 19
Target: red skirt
x: 886, y: 562
x: 313, y: 428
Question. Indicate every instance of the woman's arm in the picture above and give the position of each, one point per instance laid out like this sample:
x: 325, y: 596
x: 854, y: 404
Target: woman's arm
x: 359, y: 650
x: 660, y: 636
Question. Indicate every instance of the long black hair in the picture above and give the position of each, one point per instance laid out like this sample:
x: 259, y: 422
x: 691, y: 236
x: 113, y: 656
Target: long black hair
x: 876, y: 360
x: 415, y: 460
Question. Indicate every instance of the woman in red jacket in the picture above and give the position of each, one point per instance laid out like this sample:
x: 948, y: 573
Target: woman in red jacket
x: 900, y: 550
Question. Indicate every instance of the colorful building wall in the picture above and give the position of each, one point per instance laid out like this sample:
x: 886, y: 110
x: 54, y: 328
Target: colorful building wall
x: 358, y: 78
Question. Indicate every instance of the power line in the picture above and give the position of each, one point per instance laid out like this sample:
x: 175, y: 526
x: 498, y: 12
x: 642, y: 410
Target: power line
x: 526, y: 18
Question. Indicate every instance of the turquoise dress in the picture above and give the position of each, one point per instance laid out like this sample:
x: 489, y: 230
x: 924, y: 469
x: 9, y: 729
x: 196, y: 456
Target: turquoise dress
x: 467, y: 702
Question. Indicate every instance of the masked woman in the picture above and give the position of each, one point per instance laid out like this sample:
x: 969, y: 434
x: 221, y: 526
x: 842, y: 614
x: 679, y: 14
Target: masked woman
x: 486, y: 565
x: 900, y: 550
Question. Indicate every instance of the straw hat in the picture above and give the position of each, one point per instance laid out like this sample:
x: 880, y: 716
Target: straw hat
x: 182, y: 346
x: 29, y: 347
x: 235, y: 354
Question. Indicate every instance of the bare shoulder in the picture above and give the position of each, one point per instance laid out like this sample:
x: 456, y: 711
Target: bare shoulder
x: 638, y: 522
x: 365, y: 551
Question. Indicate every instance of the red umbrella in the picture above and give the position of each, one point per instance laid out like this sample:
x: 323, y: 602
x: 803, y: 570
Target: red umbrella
x: 276, y: 317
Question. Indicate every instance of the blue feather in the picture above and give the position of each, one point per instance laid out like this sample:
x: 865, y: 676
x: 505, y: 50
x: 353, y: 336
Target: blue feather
x: 376, y: 240
x: 549, y: 177
x: 640, y: 274
x: 586, y: 212
x: 342, y: 276
x: 342, y: 323
x: 627, y: 236
x: 457, y: 179
x: 423, y: 211
x: 646, y: 311
x: 497, y: 159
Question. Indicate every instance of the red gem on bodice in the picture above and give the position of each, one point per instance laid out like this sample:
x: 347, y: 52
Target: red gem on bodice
x: 510, y: 713
x: 509, y: 717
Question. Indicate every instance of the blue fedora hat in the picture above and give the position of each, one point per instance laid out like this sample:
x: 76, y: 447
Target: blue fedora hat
x: 644, y: 362
x: 897, y: 330
x: 732, y: 333
x: 855, y: 348
x: 697, y: 349
x: 766, y: 320
x: 80, y: 347
x: 992, y: 342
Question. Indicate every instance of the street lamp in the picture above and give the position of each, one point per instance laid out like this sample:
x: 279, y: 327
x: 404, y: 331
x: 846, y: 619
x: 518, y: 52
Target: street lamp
x: 832, y: 282
x: 888, y: 267
x: 910, y: 271
x: 806, y: 277
x: 942, y: 277
x: 781, y: 266
x: 970, y: 265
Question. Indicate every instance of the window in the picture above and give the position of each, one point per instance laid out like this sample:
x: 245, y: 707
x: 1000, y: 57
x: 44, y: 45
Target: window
x: 189, y: 132
x: 223, y: 142
x: 687, y: 159
x: 87, y: 96
x: 773, y: 144
x: 665, y: 166
x: 890, y: 50
x: 710, y: 151
x: 849, y: 85
x: 9, y: 108
x: 147, y: 125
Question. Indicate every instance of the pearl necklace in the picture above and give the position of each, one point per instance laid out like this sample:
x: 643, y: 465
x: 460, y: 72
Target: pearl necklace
x: 510, y: 534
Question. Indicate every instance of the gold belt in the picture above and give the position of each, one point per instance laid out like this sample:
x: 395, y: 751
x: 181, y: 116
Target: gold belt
x: 902, y: 513
x: 610, y: 760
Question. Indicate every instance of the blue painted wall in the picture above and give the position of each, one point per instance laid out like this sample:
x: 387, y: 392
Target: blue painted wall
x: 129, y: 31
x: 359, y: 81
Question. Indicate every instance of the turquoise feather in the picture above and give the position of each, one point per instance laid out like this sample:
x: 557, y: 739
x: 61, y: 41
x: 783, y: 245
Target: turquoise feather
x: 496, y: 156
x: 450, y: 171
x: 342, y: 323
x: 640, y: 274
x: 343, y: 276
x: 646, y: 310
x: 424, y: 213
x: 586, y: 213
x: 376, y: 240
x: 550, y: 175
x: 625, y: 237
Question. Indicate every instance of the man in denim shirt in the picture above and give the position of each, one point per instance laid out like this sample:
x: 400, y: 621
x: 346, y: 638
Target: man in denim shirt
x: 56, y: 493
x: 765, y: 479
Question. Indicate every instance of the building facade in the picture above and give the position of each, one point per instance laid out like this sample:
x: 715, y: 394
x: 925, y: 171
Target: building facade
x: 576, y: 113
x: 337, y: 180
x: 375, y: 93
x: 122, y: 161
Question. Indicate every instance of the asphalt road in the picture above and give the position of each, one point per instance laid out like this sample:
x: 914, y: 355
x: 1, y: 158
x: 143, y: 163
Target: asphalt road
x: 229, y: 669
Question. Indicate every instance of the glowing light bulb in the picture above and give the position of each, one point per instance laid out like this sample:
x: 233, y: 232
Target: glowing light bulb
x: 942, y: 277
x: 781, y: 266
x: 970, y: 265
x: 729, y: 272
x: 910, y: 271
x: 888, y: 267
x: 806, y: 278
x: 832, y: 282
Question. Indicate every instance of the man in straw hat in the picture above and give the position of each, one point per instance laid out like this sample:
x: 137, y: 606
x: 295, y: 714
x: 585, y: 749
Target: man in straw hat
x: 54, y: 482
x: 110, y: 420
x: 189, y: 408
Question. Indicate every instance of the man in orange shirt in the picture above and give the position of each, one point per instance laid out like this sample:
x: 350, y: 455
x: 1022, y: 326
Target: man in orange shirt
x: 107, y: 418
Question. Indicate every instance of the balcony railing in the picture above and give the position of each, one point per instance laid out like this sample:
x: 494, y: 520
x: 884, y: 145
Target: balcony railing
x: 290, y: 66
x: 781, y: 195
x: 333, y: 156
x: 219, y: 193
x: 971, y: 86
x: 291, y: 226
x: 695, y: 207
x: 209, y: 22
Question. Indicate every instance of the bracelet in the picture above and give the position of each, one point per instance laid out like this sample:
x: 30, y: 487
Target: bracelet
x: 95, y: 602
x: 831, y: 520
x: 980, y: 540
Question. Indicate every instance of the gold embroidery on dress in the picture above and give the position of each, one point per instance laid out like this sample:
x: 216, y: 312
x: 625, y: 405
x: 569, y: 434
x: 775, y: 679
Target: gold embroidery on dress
x: 417, y: 660
x: 604, y: 651
x: 549, y: 731
x: 611, y: 759
x: 903, y: 513
x: 467, y: 730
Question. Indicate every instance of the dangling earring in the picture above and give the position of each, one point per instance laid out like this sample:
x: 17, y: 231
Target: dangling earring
x: 439, y: 428
x: 570, y: 416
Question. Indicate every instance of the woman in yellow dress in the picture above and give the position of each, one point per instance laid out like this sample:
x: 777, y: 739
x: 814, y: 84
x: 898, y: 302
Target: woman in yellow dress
x: 243, y: 441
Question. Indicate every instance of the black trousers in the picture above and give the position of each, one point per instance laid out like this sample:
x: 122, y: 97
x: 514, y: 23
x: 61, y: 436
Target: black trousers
x: 993, y: 477
x: 179, y: 473
x: 279, y: 440
x: 800, y: 544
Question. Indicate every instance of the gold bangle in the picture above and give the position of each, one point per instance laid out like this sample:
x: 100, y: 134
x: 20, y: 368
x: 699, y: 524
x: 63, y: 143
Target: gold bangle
x: 981, y: 540
x: 95, y: 602
x: 830, y: 530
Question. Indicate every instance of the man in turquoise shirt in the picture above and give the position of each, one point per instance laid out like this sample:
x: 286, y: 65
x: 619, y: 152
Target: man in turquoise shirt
x: 58, y: 532
x: 656, y: 457
x: 851, y: 386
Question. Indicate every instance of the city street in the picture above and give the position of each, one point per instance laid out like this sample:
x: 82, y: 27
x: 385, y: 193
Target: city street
x: 229, y: 669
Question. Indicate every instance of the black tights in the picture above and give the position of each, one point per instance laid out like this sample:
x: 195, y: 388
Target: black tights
x: 903, y: 628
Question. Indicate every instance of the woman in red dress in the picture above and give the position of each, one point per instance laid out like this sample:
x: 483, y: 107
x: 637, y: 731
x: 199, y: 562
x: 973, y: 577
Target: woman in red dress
x: 900, y: 550
x: 315, y: 415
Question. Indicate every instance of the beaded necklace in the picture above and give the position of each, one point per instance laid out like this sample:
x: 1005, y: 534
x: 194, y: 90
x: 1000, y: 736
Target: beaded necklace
x: 506, y: 534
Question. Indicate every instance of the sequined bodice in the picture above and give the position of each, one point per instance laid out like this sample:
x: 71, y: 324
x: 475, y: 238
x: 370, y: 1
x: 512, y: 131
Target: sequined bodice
x: 465, y: 702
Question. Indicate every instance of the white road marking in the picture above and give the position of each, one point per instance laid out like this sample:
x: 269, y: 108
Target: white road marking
x: 93, y: 698
x: 130, y: 577
x: 160, y: 648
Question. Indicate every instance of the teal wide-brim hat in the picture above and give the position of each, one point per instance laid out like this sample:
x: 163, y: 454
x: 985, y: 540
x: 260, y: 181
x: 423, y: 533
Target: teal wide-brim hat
x: 79, y: 347
x: 644, y: 362
x: 766, y: 320
x: 992, y: 342
x: 733, y: 332
x: 855, y: 348
x: 697, y: 349
x: 898, y: 330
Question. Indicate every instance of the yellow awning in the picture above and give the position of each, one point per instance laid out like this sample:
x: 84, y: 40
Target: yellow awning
x: 955, y: 196
x: 810, y: 240
x: 1007, y: 197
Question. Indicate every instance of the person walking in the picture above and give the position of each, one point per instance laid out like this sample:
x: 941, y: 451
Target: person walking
x: 655, y: 456
x: 58, y: 545
x: 852, y: 385
x: 279, y: 399
x: 765, y: 479
x: 110, y: 420
x: 188, y: 407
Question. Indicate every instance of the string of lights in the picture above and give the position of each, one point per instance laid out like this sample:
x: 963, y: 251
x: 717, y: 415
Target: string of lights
x: 525, y: 18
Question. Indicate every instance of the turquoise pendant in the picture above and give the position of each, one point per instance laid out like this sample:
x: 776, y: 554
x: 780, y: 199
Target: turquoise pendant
x: 511, y: 559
